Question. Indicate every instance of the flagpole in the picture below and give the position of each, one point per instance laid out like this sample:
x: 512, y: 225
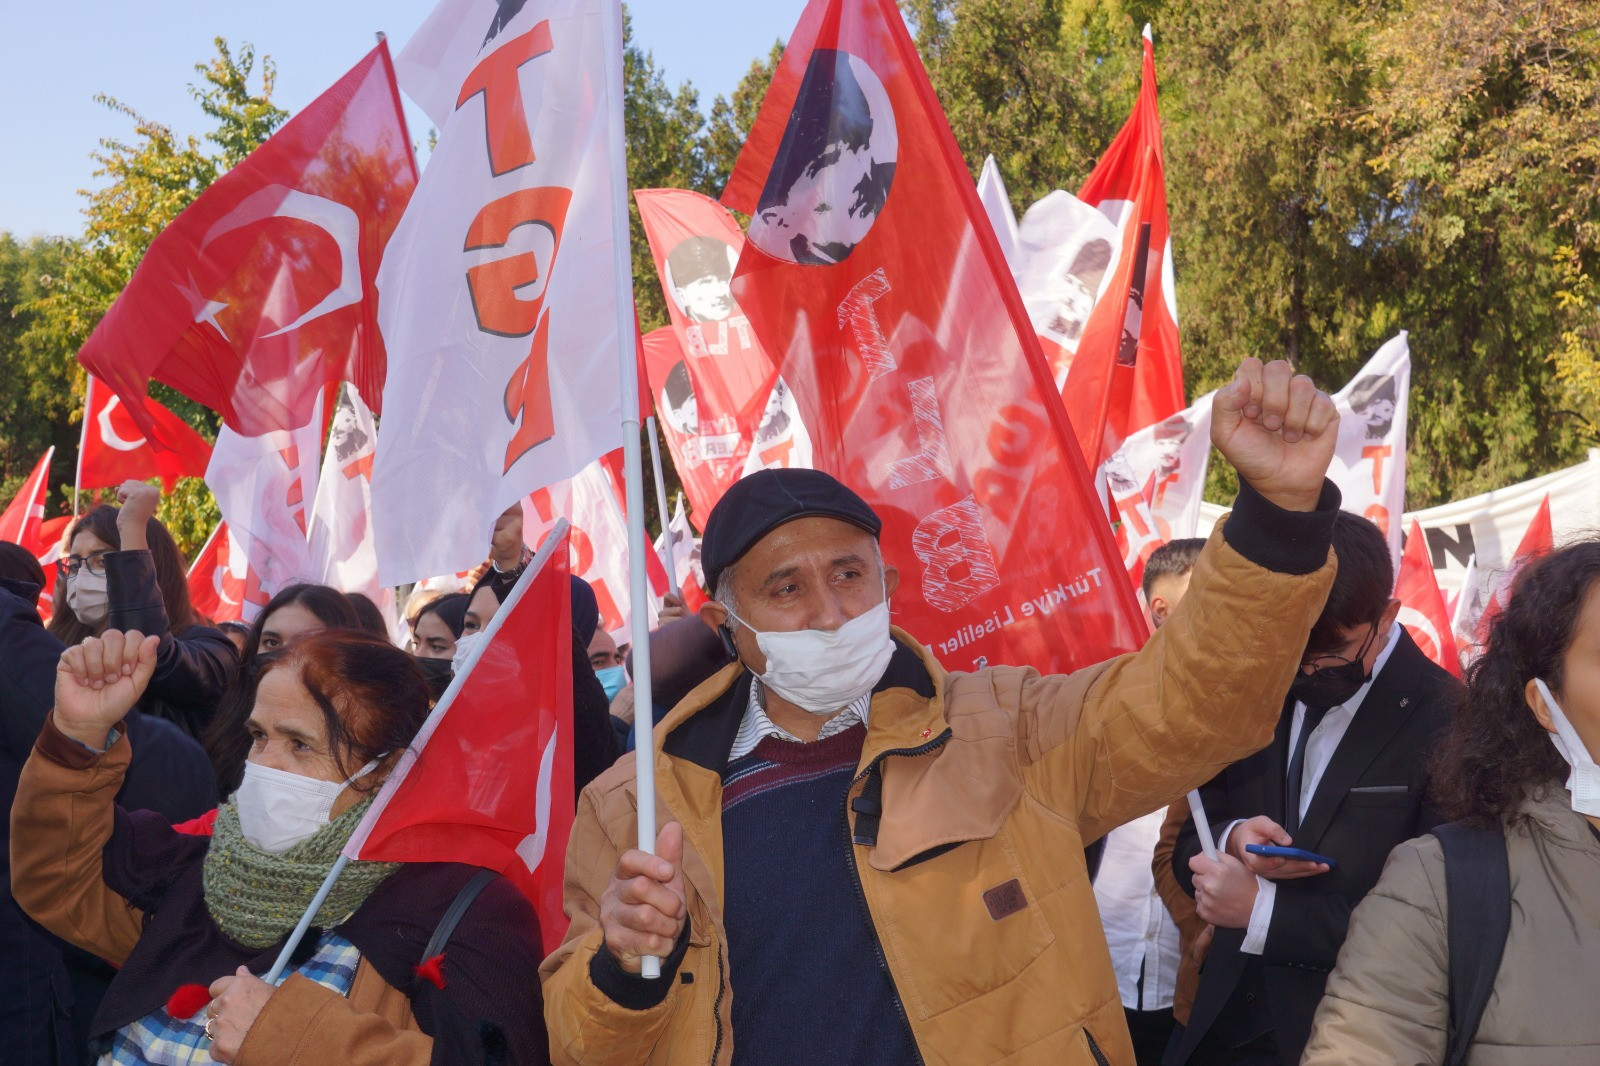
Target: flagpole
x: 83, y: 439
x: 1201, y: 825
x: 305, y: 919
x: 661, y: 506
x: 632, y: 458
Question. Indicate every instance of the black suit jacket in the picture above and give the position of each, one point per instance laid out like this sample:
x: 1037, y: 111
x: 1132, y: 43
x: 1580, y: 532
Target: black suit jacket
x: 1372, y: 796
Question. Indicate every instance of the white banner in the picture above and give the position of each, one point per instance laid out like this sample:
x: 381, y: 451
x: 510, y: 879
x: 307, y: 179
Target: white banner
x: 342, y: 548
x: 497, y: 293
x: 599, y: 540
x: 997, y: 205
x: 1369, y: 462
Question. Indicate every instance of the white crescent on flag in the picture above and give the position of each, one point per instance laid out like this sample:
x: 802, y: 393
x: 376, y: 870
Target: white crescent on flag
x: 531, y: 850
x: 110, y: 435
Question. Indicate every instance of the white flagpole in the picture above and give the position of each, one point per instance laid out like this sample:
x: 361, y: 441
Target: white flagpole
x: 305, y: 919
x: 633, y: 461
x: 1201, y: 825
x: 661, y: 506
x: 83, y: 439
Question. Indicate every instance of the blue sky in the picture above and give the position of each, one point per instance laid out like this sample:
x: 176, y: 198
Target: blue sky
x: 54, y: 58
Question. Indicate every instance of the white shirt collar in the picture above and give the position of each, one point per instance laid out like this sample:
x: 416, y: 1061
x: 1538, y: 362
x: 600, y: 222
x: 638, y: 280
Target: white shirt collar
x: 757, y: 725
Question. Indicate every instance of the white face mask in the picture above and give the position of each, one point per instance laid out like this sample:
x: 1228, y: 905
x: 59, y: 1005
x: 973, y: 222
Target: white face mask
x: 1584, y: 781
x: 87, y: 598
x: 825, y: 671
x: 277, y: 809
x: 464, y: 646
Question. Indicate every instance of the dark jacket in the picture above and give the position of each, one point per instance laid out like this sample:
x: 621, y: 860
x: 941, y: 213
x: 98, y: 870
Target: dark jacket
x: 1371, y: 797
x: 193, y: 668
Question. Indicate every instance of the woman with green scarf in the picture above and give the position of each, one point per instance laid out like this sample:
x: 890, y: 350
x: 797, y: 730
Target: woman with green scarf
x: 190, y: 920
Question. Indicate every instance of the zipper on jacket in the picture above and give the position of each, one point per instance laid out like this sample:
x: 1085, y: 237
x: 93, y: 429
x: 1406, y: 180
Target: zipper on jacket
x: 861, y: 894
x: 716, y: 1004
x: 1094, y: 1049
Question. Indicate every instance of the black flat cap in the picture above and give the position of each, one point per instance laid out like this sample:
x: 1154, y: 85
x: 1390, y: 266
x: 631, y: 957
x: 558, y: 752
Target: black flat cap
x: 767, y: 499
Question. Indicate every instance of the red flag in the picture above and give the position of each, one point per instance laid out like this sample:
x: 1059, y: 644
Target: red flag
x: 872, y: 270
x: 262, y: 291
x: 20, y: 522
x: 696, y: 243
x: 220, y: 577
x: 48, y: 549
x: 1127, y: 373
x: 707, y: 465
x: 488, y: 779
x: 1422, y: 607
x: 114, y: 448
x: 1538, y: 540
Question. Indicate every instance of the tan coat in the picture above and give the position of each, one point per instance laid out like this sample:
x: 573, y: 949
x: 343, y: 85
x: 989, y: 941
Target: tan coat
x: 1388, y: 999
x: 1181, y: 906
x: 1017, y: 768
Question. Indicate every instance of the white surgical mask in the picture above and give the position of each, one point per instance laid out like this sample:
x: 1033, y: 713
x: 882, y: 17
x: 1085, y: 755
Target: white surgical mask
x: 87, y: 598
x: 464, y: 646
x: 277, y: 809
x: 1584, y: 781
x: 822, y: 670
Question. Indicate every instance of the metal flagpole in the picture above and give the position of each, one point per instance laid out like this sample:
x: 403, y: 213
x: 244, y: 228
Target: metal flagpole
x: 83, y: 439
x: 661, y: 506
x: 632, y: 459
x: 305, y: 919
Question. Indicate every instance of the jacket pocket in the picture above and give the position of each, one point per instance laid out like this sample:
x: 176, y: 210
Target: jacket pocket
x: 1094, y: 1049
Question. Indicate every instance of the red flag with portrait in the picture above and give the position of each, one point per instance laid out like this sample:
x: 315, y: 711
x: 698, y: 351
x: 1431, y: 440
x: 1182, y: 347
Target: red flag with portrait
x: 114, y: 449
x: 873, y: 276
x: 263, y: 290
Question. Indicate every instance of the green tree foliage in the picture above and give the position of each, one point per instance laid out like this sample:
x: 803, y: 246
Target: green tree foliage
x: 36, y: 397
x: 732, y: 116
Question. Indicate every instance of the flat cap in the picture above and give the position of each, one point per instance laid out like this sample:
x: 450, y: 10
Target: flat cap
x: 767, y: 499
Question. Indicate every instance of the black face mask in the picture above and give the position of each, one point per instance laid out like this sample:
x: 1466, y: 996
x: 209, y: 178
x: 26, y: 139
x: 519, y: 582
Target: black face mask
x: 1331, y: 686
x: 437, y: 672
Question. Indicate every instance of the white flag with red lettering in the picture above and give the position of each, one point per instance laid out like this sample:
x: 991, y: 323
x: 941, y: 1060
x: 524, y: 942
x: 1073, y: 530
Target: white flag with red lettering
x: 497, y: 293
x: 599, y: 540
x: 1156, y: 481
x: 342, y: 550
x: 1369, y: 462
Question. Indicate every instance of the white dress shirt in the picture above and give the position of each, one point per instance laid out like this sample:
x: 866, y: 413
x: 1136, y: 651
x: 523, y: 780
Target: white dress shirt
x: 756, y: 725
x: 1140, y: 933
x: 1319, y: 752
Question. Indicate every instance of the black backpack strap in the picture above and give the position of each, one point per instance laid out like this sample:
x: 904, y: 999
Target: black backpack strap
x: 1477, y: 879
x: 452, y: 916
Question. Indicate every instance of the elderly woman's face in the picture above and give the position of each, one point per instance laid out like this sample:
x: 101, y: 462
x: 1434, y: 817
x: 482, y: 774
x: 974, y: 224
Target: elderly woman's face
x: 287, y: 731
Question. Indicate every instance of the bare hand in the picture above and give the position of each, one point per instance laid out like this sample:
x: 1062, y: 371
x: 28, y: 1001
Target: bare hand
x: 643, y: 909
x: 1263, y: 830
x: 1224, y: 891
x: 1278, y: 430
x: 99, y: 681
x: 236, y: 1003
x: 139, y: 503
x: 672, y: 609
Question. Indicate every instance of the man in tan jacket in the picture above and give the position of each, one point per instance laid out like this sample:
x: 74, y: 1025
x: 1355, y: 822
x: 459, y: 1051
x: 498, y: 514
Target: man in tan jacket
x: 869, y: 860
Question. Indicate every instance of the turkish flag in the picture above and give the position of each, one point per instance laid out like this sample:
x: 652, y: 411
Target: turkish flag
x: 488, y: 779
x: 1422, y: 607
x: 872, y: 272
x: 49, y: 548
x: 262, y: 291
x: 1537, y: 541
x: 20, y: 522
x: 696, y: 244
x: 114, y: 449
x: 219, y: 577
x: 1126, y: 373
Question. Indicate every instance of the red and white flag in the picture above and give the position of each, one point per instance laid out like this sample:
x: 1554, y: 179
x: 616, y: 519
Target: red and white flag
x: 1422, y: 606
x: 113, y: 448
x: 341, y: 541
x: 707, y: 464
x: 265, y: 486
x: 22, y: 517
x: 49, y: 548
x: 488, y: 779
x: 696, y: 242
x: 261, y: 292
x: 1127, y: 372
x: 219, y: 577
x: 1538, y: 541
x: 781, y: 439
x: 1156, y: 482
x: 1066, y: 259
x: 873, y: 273
x: 498, y: 293
x: 997, y: 205
x: 681, y: 547
x: 1369, y: 460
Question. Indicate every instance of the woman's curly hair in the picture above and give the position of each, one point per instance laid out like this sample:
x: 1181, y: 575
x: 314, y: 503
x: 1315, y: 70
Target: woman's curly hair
x: 1495, y: 749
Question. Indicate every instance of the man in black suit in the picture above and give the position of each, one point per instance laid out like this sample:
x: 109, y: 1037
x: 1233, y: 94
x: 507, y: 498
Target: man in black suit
x: 1345, y: 777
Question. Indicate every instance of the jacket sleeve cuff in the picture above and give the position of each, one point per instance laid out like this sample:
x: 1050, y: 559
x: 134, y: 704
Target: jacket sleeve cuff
x: 1285, y: 542
x: 630, y: 990
x: 62, y: 750
x: 134, y: 594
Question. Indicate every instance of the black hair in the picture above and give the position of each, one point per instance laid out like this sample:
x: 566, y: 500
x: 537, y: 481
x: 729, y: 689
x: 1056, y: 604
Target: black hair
x: 18, y: 564
x: 1361, y: 588
x: 451, y: 609
x: 368, y: 617
x: 1173, y: 559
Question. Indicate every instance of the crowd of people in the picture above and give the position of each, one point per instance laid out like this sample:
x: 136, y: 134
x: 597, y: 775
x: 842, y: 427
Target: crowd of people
x: 863, y: 858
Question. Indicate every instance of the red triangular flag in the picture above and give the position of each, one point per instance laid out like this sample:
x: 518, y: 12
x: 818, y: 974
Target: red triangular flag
x: 1537, y: 540
x: 23, y: 516
x: 1422, y: 607
x: 114, y: 449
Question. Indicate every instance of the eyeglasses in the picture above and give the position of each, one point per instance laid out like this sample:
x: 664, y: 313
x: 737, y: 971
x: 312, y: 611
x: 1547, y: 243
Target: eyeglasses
x: 1330, y: 661
x: 95, y: 561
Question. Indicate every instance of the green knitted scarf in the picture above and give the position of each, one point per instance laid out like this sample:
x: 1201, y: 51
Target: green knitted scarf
x: 256, y: 898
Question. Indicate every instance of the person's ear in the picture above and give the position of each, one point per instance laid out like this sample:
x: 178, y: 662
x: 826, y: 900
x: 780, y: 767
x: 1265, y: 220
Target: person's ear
x: 713, y: 614
x: 1160, y: 610
x: 1390, y: 613
x: 891, y: 580
x: 1536, y: 704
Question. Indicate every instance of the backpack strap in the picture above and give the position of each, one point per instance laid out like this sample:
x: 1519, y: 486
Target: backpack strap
x: 452, y: 916
x: 1477, y: 878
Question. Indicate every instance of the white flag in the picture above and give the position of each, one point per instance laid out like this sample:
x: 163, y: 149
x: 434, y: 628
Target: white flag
x: 1156, y: 481
x: 497, y: 293
x: 1065, y: 254
x: 781, y: 439
x: 342, y: 549
x: 599, y: 540
x: 997, y: 205
x: 681, y: 548
x: 1369, y: 461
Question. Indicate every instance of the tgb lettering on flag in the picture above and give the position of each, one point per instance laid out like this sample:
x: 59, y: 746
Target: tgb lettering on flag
x: 696, y: 244
x: 25, y: 513
x: 113, y: 448
x: 1369, y: 461
x: 1127, y: 372
x: 1156, y: 481
x: 341, y: 543
x: 1422, y: 606
x: 260, y: 293
x: 265, y: 486
x: 488, y: 779
x: 497, y: 295
x: 219, y: 576
x: 873, y: 275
